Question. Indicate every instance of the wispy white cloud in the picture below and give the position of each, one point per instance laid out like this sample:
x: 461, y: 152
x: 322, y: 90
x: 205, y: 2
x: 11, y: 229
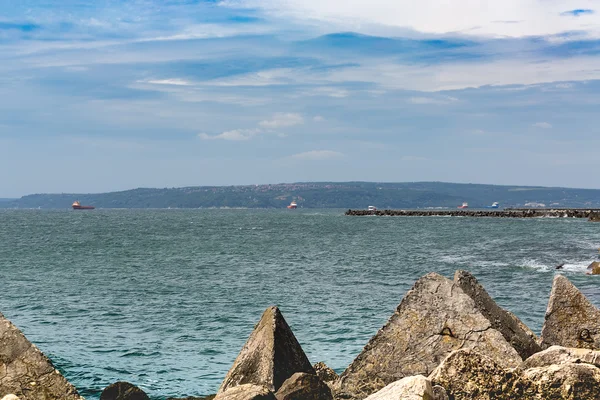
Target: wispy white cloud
x: 282, y: 120
x: 317, y: 155
x: 543, y: 125
x: 173, y: 81
x: 318, y: 118
x: 233, y: 135
x: 433, y: 100
x: 470, y: 17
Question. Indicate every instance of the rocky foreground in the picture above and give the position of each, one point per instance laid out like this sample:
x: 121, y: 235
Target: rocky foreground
x: 447, y: 340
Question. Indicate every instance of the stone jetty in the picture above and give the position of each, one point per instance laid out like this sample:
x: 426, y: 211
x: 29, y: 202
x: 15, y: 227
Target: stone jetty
x: 590, y: 214
x: 447, y: 340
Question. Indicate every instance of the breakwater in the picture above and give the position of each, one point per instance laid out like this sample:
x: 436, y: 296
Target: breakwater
x: 506, y: 213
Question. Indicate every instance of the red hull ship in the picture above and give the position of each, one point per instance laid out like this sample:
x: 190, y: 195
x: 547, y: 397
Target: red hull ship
x: 77, y: 206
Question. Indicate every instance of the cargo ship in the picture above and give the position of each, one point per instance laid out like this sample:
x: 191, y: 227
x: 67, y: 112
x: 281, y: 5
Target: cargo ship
x: 292, y: 205
x: 77, y: 206
x: 463, y: 206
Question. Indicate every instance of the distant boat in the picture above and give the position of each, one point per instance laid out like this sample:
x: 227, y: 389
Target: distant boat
x: 77, y: 206
x: 464, y: 205
x: 372, y: 208
x: 292, y: 205
x: 494, y: 205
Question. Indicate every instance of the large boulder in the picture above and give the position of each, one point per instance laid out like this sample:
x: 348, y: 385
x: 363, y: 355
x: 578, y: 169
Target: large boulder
x: 566, y: 381
x: 562, y: 355
x: 303, y: 386
x: 27, y: 373
x: 270, y: 356
x: 594, y: 268
x: 410, y: 388
x: 123, y: 391
x: 571, y: 320
x: 435, y: 318
x: 514, y: 331
x: 324, y: 372
x: 466, y: 374
x: 246, y: 392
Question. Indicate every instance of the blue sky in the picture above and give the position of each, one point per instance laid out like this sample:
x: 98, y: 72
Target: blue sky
x: 117, y: 94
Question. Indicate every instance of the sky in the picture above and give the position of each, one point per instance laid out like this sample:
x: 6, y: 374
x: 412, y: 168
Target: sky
x: 111, y: 95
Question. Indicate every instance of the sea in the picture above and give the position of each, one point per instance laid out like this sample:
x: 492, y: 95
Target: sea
x: 165, y: 299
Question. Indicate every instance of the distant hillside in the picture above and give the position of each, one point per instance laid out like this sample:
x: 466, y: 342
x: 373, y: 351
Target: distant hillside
x: 321, y: 195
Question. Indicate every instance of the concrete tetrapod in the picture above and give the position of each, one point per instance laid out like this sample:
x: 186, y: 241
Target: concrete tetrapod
x: 26, y: 372
x: 571, y: 319
x: 270, y: 356
x: 434, y: 318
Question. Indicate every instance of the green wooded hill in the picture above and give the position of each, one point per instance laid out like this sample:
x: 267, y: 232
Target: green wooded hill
x: 321, y: 195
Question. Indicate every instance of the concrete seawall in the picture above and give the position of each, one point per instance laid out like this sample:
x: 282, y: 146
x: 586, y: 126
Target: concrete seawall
x: 507, y: 213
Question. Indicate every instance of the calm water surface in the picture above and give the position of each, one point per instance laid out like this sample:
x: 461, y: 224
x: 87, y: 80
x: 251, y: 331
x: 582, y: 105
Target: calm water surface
x: 166, y: 298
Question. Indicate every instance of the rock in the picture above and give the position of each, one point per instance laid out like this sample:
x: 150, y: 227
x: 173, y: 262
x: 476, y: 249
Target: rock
x: 27, y: 373
x: 594, y: 268
x: 123, y: 391
x: 561, y: 355
x: 465, y: 374
x: 566, y: 381
x: 594, y: 217
x: 439, y: 393
x: 246, y: 392
x: 571, y: 320
x: 270, y: 356
x: 410, y: 388
x: 10, y: 397
x: 209, y: 397
x: 303, y: 386
x: 435, y: 318
x: 324, y: 372
x: 514, y: 331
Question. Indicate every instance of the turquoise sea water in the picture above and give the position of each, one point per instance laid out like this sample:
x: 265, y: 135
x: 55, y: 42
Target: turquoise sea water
x: 165, y: 299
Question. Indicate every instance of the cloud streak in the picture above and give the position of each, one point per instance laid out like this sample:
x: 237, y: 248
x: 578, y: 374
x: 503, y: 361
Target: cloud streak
x: 235, y: 135
x: 317, y: 155
x: 282, y: 120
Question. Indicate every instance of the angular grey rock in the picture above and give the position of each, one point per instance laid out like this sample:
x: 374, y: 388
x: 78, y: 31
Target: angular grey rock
x: 303, y: 386
x: 270, y: 356
x: 246, y: 392
x: 514, y: 331
x: 410, y: 388
x: 466, y: 374
x: 324, y: 372
x: 594, y: 268
x: 435, y: 318
x: 566, y: 381
x: 123, y: 391
x: 561, y: 355
x: 571, y: 320
x: 27, y: 373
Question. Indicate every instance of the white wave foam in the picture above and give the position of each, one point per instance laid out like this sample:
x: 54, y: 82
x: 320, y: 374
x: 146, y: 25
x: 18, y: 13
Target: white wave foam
x: 537, y: 265
x: 579, y: 267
